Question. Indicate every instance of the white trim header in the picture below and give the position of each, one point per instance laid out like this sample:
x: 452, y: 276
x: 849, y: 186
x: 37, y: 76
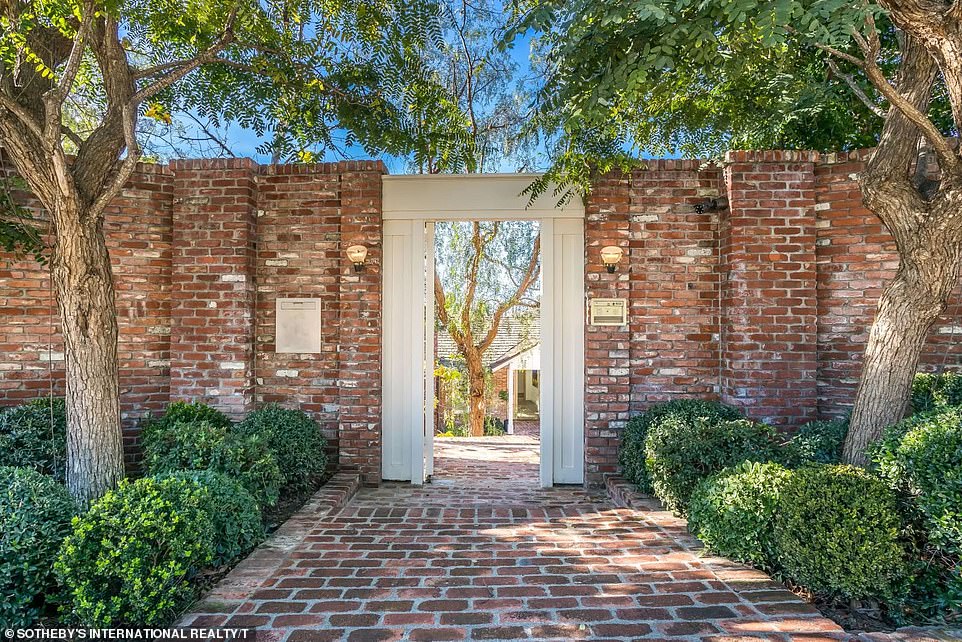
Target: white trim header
x: 470, y: 197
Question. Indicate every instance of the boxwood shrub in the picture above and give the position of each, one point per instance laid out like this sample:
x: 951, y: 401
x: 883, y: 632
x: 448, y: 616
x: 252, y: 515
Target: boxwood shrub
x: 680, y: 453
x: 295, y: 440
x: 233, y: 512
x: 838, y: 533
x: 130, y: 559
x: 922, y: 458
x: 34, y: 435
x: 35, y: 514
x: 185, y: 412
x: 817, y: 441
x: 933, y: 391
x: 733, y: 512
x: 631, y: 456
x: 202, y: 445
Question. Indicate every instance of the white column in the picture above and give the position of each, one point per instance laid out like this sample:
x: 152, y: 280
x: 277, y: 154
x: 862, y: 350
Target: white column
x: 511, y: 395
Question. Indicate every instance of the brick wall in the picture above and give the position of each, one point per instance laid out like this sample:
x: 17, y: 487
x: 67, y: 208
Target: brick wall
x: 764, y: 303
x: 201, y: 249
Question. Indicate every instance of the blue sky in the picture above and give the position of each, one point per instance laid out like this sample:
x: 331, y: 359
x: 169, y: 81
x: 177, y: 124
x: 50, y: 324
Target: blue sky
x: 244, y: 142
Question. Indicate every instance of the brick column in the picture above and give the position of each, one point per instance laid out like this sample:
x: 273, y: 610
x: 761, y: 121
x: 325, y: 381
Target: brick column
x: 769, y: 309
x: 212, y: 283
x: 607, y: 349
x: 359, y: 345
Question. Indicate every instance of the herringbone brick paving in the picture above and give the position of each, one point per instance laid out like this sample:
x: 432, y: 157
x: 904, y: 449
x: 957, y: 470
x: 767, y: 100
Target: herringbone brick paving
x: 488, y: 555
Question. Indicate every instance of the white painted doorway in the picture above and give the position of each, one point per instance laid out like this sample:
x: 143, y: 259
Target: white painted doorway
x: 411, y: 206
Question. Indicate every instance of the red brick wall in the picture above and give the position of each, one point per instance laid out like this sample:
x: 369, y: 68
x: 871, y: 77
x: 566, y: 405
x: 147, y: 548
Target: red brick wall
x: 768, y: 317
x: 213, y: 283
x: 856, y: 257
x: 765, y: 303
x: 138, y: 230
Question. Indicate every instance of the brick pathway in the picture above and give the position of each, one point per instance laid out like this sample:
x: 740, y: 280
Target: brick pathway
x: 483, y: 553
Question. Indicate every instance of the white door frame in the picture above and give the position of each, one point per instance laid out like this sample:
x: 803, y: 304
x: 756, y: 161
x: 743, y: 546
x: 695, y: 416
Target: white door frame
x: 414, y: 203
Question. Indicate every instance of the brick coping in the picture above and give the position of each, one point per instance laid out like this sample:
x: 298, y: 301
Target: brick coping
x: 623, y: 494
x: 271, y: 554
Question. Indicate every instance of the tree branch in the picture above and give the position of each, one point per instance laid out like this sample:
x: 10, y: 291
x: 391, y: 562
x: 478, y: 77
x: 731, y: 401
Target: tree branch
x: 188, y: 65
x: 870, y: 48
x: 22, y: 115
x: 531, y: 273
x: 849, y: 80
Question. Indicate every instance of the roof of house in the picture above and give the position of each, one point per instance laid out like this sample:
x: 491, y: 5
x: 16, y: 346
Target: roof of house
x: 514, y: 337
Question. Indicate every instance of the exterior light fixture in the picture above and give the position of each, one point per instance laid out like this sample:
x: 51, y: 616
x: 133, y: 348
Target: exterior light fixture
x: 358, y: 255
x: 610, y: 256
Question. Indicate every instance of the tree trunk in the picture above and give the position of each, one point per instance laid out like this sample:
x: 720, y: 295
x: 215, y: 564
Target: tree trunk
x: 476, y: 401
x: 85, y: 297
x: 907, y: 309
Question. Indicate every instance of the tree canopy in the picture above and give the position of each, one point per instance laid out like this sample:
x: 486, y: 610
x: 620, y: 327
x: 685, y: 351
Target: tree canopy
x: 690, y: 77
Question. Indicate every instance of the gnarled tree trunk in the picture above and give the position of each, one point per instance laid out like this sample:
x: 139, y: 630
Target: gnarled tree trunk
x: 924, y: 216
x: 907, y: 309
x: 85, y: 298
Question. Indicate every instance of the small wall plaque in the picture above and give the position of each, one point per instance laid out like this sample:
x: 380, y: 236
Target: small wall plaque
x: 298, y: 326
x: 608, y: 312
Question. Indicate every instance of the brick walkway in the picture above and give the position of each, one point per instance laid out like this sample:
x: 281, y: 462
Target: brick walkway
x: 483, y: 553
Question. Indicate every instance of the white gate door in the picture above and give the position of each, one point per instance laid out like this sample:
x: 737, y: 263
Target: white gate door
x: 562, y: 352
x: 407, y: 368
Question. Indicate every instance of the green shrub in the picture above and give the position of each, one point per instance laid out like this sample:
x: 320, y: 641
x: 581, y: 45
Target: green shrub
x: 922, y: 458
x: 233, y: 512
x: 206, y: 446
x: 34, y: 435
x: 631, y: 456
x: 817, y: 441
x: 130, y: 559
x: 679, y: 453
x: 837, y: 532
x: 181, y: 412
x: 931, y: 391
x: 35, y: 513
x: 494, y: 427
x: 295, y: 440
x: 733, y: 512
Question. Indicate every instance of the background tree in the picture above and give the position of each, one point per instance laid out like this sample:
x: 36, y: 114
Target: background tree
x: 469, y: 119
x: 135, y: 56
x: 701, y: 77
x: 486, y: 270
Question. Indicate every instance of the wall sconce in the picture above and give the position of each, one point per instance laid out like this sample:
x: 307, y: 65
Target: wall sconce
x: 358, y: 255
x: 610, y: 256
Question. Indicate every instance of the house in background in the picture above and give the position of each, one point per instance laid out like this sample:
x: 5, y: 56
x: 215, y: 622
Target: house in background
x: 514, y: 359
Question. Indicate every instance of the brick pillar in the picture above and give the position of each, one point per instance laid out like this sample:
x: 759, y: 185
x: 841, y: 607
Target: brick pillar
x: 769, y: 309
x: 607, y: 349
x: 212, y: 283
x: 359, y: 345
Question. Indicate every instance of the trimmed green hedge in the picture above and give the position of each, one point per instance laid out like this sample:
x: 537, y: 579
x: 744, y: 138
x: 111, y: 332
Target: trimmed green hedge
x: 680, y: 453
x: 921, y: 458
x: 733, y: 512
x: 35, y: 514
x: 130, y: 559
x: 631, y: 456
x: 931, y: 391
x: 295, y: 440
x: 838, y: 532
x: 202, y: 445
x: 817, y: 441
x: 233, y: 512
x: 34, y: 435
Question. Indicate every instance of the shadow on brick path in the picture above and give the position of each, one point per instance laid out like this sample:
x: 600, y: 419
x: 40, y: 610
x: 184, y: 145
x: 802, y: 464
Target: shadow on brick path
x: 483, y: 553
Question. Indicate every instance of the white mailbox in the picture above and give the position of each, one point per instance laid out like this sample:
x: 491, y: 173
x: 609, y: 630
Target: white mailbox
x: 608, y: 312
x: 298, y: 326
